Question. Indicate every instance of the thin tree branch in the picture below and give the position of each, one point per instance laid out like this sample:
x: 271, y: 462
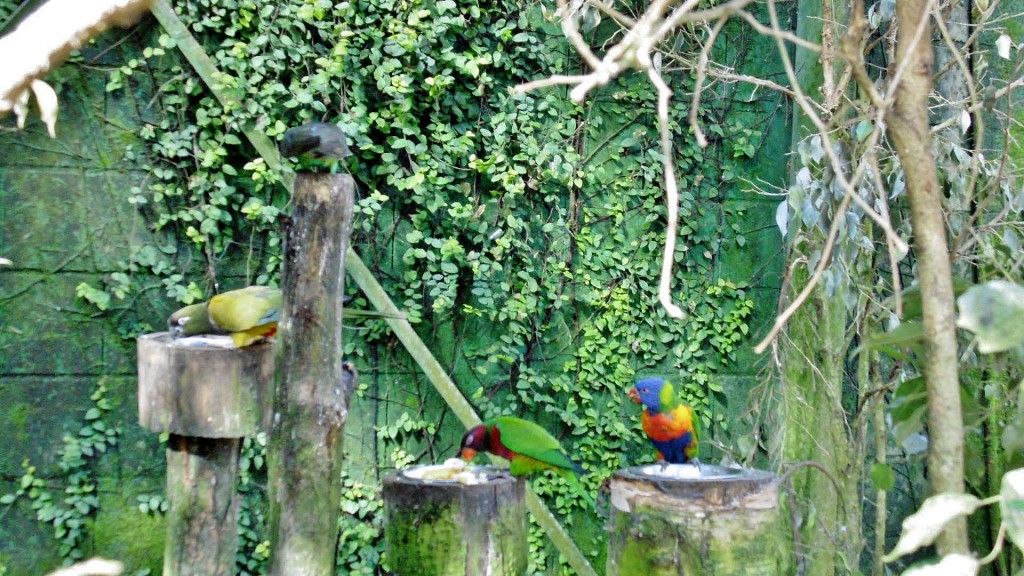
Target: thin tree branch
x: 698, y: 86
x: 819, y: 270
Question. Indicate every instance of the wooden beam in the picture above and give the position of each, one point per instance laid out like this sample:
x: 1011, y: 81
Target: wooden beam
x: 207, y: 70
x: 314, y: 384
x: 460, y: 406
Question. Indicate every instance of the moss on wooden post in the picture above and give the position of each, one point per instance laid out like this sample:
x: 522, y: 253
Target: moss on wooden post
x: 207, y: 398
x: 445, y: 528
x: 727, y: 523
x: 313, y: 384
x: 202, y: 517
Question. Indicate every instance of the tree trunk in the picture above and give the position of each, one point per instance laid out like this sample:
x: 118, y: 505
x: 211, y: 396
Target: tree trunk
x: 812, y: 422
x: 207, y: 398
x: 202, y: 506
x: 313, y: 384
x: 910, y: 131
x: 726, y: 522
x: 814, y: 428
x: 445, y: 528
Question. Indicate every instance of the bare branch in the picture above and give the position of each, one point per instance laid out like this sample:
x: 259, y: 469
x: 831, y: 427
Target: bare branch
x: 776, y: 33
x: 977, y: 106
x: 698, y: 87
x: 622, y: 19
x: 671, y: 196
x: 823, y: 263
x: 556, y: 80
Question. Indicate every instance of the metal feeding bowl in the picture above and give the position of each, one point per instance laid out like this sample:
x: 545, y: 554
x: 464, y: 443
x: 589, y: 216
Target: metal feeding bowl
x: 454, y: 470
x: 720, y: 483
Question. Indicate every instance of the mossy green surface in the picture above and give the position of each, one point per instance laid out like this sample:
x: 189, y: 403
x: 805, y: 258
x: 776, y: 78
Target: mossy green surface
x: 653, y: 542
x: 121, y: 531
x: 430, y: 543
x: 436, y: 539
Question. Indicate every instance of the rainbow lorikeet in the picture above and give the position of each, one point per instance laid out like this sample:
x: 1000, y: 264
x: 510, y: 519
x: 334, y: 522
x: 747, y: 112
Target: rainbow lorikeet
x: 671, y: 425
x: 316, y: 145
x: 528, y: 448
x: 248, y: 314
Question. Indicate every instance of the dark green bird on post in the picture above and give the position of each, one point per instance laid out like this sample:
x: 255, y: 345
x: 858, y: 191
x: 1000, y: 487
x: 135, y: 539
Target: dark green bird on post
x: 316, y: 145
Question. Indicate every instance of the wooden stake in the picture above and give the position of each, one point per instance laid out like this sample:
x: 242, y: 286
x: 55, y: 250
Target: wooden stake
x: 444, y: 528
x: 313, y: 384
x: 727, y: 522
x: 202, y: 517
x: 207, y: 398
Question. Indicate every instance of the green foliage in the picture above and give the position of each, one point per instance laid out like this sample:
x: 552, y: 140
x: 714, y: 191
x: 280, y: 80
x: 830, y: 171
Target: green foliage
x: 526, y: 229
x: 404, y: 434
x: 70, y: 515
x: 361, y: 543
x: 253, y: 540
x: 7, y: 8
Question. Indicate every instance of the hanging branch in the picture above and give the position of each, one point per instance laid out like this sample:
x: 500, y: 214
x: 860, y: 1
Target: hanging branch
x: 50, y: 34
x: 634, y: 52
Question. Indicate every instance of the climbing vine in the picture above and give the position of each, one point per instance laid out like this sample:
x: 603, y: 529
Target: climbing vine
x: 70, y: 514
x: 521, y: 233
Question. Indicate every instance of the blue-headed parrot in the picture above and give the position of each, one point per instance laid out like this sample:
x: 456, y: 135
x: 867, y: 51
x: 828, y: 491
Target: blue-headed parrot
x: 672, y: 426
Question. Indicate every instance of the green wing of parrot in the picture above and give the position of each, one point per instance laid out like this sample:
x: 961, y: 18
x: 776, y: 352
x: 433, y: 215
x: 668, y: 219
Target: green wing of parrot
x: 245, y: 308
x: 529, y: 439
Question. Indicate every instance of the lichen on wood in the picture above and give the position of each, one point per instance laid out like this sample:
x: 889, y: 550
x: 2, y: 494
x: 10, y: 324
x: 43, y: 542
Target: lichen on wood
x: 729, y: 526
x: 445, y: 528
x: 314, y: 385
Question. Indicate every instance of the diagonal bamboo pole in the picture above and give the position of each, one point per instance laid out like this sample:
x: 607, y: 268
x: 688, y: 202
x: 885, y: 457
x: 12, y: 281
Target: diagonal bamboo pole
x: 207, y: 70
x: 462, y: 408
x: 354, y: 265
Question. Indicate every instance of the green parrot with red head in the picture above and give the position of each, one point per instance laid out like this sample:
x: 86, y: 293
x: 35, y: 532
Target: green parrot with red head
x: 672, y: 426
x: 528, y: 448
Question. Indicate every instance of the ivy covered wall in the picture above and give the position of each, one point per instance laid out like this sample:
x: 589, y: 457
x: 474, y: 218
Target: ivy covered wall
x: 521, y: 234
x: 67, y: 369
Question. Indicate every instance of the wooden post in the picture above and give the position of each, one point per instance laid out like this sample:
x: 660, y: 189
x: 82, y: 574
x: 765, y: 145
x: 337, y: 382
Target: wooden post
x: 313, y: 384
x: 445, y: 528
x: 207, y: 398
x: 727, y: 522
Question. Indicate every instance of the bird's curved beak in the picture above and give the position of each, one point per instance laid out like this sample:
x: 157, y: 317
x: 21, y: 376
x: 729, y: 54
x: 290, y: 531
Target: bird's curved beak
x: 468, y: 454
x: 176, y: 329
x: 634, y: 395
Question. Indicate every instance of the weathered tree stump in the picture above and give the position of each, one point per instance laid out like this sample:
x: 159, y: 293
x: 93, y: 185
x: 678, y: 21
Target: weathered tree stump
x: 727, y: 522
x: 207, y: 398
x: 314, y: 385
x: 446, y: 528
